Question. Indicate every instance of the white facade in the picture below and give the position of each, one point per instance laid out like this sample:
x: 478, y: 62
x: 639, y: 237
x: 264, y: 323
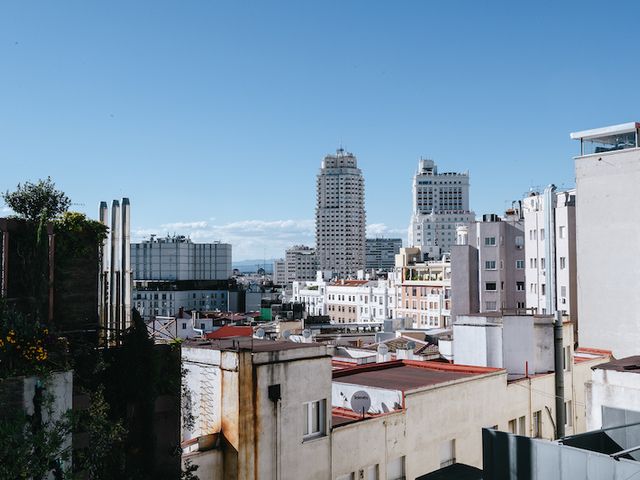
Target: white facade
x: 607, y: 234
x: 550, y: 251
x: 340, y: 215
x: 178, y: 258
x: 440, y: 203
x: 361, y: 303
x: 301, y: 263
x: 152, y: 303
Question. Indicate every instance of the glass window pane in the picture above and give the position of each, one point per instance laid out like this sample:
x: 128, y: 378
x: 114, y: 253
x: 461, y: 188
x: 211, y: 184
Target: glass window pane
x: 305, y: 418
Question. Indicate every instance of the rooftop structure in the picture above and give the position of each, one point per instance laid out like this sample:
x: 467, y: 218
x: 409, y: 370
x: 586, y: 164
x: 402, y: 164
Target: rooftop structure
x: 607, y: 139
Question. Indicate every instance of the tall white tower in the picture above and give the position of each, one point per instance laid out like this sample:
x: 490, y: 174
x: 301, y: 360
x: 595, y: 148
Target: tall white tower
x: 340, y: 215
x: 440, y: 203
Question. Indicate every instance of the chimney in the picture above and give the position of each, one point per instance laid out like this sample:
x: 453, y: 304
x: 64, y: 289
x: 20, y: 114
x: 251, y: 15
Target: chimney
x: 114, y: 274
x: 125, y: 268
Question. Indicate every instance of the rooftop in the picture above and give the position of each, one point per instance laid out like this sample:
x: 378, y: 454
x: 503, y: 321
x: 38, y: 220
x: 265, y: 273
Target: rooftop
x: 628, y: 364
x: 605, y: 131
x: 246, y: 343
x: 407, y: 374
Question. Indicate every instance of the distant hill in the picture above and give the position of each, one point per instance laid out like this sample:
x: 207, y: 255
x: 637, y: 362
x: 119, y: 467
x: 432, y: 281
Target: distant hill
x: 251, y: 266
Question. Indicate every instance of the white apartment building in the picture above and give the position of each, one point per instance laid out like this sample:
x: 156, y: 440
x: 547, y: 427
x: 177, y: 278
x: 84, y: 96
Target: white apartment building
x: 550, y: 251
x: 175, y: 258
x: 361, y: 303
x: 301, y: 263
x: 151, y: 302
x: 424, y: 289
x: 279, y: 272
x: 353, y: 303
x: 607, y: 233
x: 340, y: 215
x: 440, y: 203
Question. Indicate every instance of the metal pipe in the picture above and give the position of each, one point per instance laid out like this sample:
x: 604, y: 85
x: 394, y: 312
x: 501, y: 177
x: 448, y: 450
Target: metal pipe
x: 125, y: 260
x: 559, y: 374
x: 114, y: 268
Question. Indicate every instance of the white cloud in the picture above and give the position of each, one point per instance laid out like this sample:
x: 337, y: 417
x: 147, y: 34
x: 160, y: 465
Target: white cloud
x: 381, y: 230
x: 253, y: 239
x: 250, y: 238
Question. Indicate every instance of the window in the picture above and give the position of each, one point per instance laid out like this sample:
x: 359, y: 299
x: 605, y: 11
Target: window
x: 561, y: 231
x: 520, y: 264
x: 563, y: 262
x: 542, y: 234
x: 519, y: 242
x: 568, y: 414
x: 184, y: 325
x: 313, y: 414
x: 489, y: 241
x: 512, y: 426
x: 396, y: 469
x: 522, y: 427
x: 491, y: 306
x: 490, y: 265
x: 543, y: 263
x: 520, y: 286
x: 537, y: 424
x: 566, y: 358
x: 447, y: 453
x: 372, y: 472
x: 543, y: 289
x: 490, y: 286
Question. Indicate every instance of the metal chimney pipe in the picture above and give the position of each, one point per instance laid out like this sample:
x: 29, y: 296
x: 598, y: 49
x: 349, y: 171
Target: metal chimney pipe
x: 114, y: 294
x: 125, y: 319
x: 102, y: 273
x: 559, y: 374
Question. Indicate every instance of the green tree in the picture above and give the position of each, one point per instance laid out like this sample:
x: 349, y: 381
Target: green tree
x: 35, y: 200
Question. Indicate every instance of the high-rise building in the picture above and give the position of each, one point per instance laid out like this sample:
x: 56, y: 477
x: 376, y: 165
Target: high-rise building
x: 550, y: 250
x: 301, y: 263
x: 178, y: 258
x: 487, y: 266
x: 440, y: 203
x: 381, y: 253
x: 340, y: 215
x: 607, y: 233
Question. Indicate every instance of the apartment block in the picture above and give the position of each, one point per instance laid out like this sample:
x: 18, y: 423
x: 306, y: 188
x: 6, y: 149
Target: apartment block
x: 301, y: 263
x: 381, y: 253
x: 488, y: 265
x: 440, y: 203
x: 607, y: 232
x: 424, y: 289
x: 176, y: 257
x: 550, y: 250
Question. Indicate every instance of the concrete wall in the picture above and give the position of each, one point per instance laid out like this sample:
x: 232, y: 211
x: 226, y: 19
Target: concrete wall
x: 609, y: 388
x: 608, y: 234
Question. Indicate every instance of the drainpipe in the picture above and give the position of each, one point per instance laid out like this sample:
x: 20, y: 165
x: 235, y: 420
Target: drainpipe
x: 559, y: 374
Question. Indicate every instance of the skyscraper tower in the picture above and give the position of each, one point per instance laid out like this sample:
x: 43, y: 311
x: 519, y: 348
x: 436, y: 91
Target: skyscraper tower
x: 440, y: 202
x: 340, y: 215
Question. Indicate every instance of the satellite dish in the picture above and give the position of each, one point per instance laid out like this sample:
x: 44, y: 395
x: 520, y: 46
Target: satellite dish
x: 411, y: 345
x: 260, y: 333
x: 286, y: 334
x: 383, y: 349
x: 306, y: 333
x: 360, y: 402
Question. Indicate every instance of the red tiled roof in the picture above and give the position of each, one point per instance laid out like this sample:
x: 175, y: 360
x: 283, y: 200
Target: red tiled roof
x: 350, y: 283
x: 407, y: 374
x: 228, y: 331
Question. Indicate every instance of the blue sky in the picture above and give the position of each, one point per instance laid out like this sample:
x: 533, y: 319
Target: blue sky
x: 213, y: 117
